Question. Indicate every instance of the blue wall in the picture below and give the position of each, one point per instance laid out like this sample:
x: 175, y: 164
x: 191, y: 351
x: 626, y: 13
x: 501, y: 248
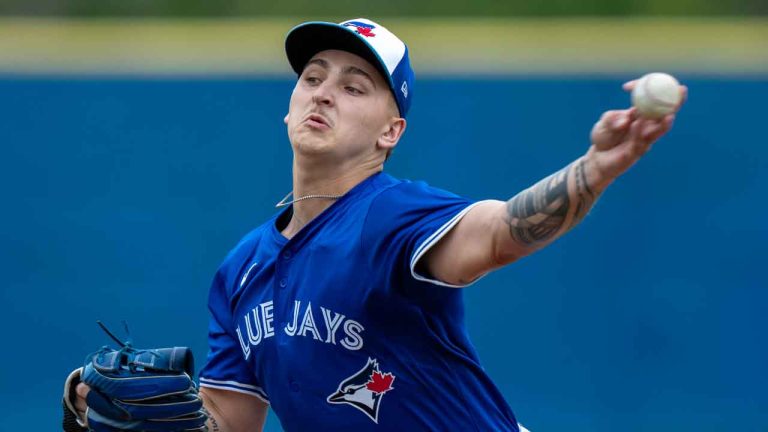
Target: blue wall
x: 122, y: 196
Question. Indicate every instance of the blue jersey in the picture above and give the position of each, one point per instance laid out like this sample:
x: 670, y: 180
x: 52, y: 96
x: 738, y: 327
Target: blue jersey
x: 338, y: 328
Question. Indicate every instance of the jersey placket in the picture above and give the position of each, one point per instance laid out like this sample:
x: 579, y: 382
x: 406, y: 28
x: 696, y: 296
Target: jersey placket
x: 284, y: 291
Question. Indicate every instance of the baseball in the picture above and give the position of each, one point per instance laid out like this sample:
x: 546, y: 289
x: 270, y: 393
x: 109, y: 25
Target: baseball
x: 656, y: 95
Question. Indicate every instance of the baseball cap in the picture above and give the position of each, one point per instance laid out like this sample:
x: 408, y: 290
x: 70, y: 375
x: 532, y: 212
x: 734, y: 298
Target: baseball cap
x: 362, y: 37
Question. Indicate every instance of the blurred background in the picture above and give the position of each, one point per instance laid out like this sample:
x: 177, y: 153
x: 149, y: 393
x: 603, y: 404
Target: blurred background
x: 142, y: 139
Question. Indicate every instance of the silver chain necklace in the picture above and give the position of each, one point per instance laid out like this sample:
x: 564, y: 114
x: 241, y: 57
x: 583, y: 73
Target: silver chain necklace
x: 284, y: 203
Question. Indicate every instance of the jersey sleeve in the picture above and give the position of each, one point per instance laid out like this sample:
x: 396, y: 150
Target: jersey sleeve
x: 226, y: 367
x: 405, y: 221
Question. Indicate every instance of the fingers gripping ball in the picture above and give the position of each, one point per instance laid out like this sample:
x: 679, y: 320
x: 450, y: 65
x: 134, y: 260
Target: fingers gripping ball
x: 656, y: 95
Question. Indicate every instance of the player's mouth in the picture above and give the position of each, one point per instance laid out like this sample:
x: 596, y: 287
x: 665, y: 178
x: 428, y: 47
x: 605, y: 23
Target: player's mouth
x: 316, y: 121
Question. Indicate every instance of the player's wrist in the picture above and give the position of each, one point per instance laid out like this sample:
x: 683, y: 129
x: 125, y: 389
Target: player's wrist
x: 597, y: 179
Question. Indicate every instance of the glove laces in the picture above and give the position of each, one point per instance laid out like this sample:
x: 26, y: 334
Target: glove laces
x: 127, y: 343
x: 127, y: 352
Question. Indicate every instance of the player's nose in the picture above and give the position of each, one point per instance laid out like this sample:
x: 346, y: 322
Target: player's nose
x: 322, y: 94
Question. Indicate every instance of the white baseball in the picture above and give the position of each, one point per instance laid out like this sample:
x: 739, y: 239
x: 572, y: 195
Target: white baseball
x: 656, y: 95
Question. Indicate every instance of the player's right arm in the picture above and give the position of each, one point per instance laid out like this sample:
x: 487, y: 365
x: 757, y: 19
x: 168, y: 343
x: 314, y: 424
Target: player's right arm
x: 497, y: 233
x: 228, y: 411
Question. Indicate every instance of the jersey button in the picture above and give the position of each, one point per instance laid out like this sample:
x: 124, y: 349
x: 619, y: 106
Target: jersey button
x: 283, y: 283
x: 287, y: 255
x: 295, y: 386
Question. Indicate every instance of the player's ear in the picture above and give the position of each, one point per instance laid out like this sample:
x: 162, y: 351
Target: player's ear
x: 391, y: 133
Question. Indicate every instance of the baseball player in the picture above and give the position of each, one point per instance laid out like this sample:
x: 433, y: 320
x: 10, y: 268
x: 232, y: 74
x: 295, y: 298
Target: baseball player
x: 343, y: 311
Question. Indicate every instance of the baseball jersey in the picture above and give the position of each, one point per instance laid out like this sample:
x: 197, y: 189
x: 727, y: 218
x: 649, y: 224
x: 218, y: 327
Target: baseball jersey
x: 339, y: 328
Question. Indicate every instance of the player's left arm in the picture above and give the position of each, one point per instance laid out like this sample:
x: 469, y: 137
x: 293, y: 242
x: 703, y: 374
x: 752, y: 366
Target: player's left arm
x: 495, y: 233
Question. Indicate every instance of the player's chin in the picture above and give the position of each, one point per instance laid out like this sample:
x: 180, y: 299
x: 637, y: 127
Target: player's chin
x: 312, y: 134
x: 308, y: 144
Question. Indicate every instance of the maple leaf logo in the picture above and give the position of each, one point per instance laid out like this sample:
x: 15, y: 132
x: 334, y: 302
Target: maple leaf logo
x: 367, y: 32
x: 380, y: 382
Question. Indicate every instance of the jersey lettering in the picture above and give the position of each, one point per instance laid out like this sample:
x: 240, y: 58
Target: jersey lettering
x: 353, y: 341
x: 331, y: 324
x: 290, y: 329
x: 308, y: 323
x: 246, y: 347
x: 267, y: 317
x: 259, y: 325
x: 254, y: 339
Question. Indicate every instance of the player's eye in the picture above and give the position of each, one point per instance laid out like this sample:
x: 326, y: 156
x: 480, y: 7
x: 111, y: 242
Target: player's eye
x: 312, y: 80
x: 353, y: 90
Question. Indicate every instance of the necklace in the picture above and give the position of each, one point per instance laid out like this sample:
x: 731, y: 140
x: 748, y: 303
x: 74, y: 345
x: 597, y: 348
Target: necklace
x: 283, y: 202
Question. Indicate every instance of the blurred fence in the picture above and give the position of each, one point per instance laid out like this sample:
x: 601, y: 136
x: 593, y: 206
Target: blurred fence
x: 396, y: 8
x: 588, y: 46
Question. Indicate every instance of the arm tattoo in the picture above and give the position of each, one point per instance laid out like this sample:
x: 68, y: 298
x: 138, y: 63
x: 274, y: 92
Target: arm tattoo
x: 213, y: 426
x: 585, y: 197
x: 550, y: 207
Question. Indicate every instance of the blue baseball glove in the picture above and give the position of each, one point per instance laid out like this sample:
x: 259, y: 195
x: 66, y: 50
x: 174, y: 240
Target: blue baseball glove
x: 138, y: 390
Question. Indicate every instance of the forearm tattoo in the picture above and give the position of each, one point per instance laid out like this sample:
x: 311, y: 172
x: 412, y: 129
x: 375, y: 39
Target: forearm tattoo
x: 550, y: 207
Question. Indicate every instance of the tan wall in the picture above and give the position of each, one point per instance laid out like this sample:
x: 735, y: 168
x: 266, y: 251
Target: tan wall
x: 480, y: 46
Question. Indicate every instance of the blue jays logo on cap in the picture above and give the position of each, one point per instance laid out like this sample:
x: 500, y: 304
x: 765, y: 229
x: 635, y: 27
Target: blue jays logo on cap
x: 362, y: 28
x: 365, y: 389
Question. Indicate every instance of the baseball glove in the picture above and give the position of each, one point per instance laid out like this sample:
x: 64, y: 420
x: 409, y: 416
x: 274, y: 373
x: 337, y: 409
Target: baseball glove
x: 136, y: 390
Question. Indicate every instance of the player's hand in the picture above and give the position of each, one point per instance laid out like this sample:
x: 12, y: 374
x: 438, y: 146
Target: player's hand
x: 80, y: 401
x: 621, y: 137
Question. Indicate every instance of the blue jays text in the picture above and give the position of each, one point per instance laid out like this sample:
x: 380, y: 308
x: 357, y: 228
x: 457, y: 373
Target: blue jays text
x: 259, y: 325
